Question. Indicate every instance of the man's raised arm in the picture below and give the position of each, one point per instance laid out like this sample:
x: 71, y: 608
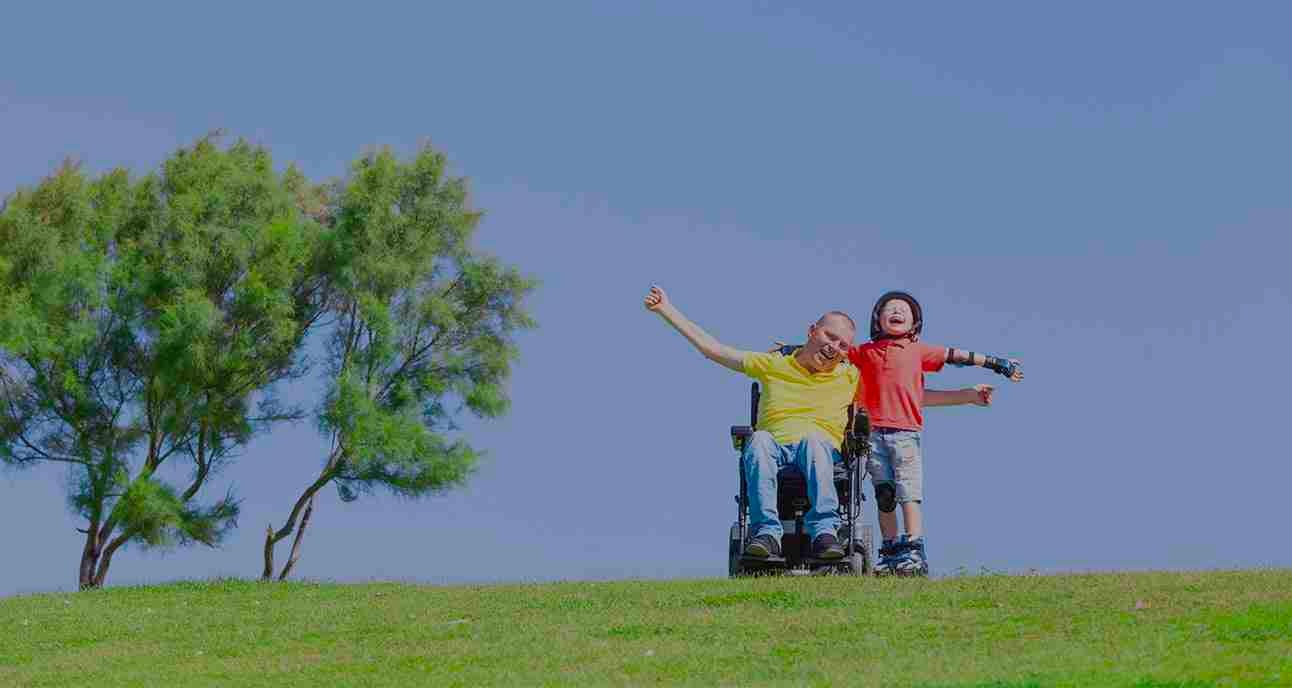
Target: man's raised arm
x: 714, y: 350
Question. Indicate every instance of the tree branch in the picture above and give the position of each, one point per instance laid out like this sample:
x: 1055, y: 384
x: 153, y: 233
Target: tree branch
x: 296, y: 544
x: 45, y: 456
x: 202, y: 466
x: 390, y: 381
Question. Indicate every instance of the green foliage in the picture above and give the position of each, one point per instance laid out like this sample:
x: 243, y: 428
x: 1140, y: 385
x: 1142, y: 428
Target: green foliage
x: 145, y: 319
x: 424, y: 327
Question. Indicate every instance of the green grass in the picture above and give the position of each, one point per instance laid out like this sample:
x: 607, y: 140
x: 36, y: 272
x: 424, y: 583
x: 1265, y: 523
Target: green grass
x: 1145, y: 630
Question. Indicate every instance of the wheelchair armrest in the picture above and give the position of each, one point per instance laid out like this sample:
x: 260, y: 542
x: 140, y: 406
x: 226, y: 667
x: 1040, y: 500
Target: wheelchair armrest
x: 856, y: 441
x: 856, y: 437
x: 861, y: 425
x: 740, y: 434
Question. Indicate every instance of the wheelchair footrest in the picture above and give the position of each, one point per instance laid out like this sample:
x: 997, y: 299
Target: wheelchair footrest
x: 770, y: 561
x: 813, y: 562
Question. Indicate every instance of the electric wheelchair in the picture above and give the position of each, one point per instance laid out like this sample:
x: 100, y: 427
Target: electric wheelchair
x: 792, y: 503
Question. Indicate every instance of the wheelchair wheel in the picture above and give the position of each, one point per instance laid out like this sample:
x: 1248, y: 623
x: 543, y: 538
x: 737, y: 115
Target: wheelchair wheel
x: 734, y: 569
x: 859, y: 564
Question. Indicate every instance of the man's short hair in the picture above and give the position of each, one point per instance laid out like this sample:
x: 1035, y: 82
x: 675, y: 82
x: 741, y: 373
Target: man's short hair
x: 841, y: 314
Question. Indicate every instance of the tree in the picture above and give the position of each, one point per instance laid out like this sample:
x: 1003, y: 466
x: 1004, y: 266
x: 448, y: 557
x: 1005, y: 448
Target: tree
x: 146, y: 322
x: 420, y: 329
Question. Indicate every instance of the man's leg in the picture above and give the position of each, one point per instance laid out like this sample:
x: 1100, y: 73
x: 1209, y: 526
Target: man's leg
x: 762, y: 459
x: 815, y: 456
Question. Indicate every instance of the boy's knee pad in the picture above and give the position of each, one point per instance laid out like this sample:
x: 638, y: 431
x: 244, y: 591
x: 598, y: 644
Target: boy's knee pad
x: 886, y: 497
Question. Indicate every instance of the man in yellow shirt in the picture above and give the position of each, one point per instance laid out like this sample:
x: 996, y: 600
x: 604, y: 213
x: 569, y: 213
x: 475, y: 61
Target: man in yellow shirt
x: 801, y: 418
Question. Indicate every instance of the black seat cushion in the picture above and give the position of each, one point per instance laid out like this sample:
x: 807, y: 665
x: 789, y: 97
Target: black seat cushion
x: 791, y: 490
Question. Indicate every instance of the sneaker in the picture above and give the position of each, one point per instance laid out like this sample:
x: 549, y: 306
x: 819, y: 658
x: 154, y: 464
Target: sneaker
x: 912, y: 561
x: 763, y: 546
x: 888, y: 555
x: 826, y: 546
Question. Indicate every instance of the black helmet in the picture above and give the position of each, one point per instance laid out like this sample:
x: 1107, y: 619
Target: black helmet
x: 877, y: 332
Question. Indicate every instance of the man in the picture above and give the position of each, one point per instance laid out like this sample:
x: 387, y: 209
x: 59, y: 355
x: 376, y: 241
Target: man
x: 801, y: 419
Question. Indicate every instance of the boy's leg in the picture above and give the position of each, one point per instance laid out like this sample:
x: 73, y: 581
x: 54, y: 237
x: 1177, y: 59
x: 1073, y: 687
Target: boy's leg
x: 880, y: 467
x: 913, y: 517
x: 888, y: 525
x: 908, y: 469
x: 762, y: 459
x: 879, y: 464
x: 908, y: 474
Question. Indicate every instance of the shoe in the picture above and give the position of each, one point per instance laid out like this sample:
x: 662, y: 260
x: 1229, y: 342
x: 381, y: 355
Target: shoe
x: 826, y: 546
x: 912, y: 561
x: 763, y: 546
x: 888, y: 554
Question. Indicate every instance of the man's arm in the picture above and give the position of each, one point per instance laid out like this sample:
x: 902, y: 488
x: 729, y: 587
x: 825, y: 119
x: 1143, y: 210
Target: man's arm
x: 978, y: 395
x: 1010, y: 368
x: 657, y: 301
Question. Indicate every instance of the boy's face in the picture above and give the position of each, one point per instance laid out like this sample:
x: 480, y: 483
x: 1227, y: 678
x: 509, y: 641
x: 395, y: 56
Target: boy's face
x: 895, y: 318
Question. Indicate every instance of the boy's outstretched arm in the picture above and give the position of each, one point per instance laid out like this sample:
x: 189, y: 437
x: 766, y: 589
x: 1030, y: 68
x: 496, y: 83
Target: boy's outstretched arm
x: 1011, y: 368
x: 657, y: 301
x: 978, y: 395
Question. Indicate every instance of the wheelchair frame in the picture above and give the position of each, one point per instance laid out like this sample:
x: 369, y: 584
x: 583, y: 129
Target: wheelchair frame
x: 857, y: 561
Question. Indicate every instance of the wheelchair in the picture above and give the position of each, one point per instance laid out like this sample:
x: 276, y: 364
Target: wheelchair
x: 792, y: 502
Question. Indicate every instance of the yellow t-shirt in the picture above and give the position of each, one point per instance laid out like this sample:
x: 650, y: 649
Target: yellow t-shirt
x: 796, y: 402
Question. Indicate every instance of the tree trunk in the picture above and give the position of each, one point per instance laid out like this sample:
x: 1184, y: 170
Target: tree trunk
x: 304, y: 503
x: 270, y: 541
x: 296, y: 544
x: 89, y: 557
x: 105, y: 559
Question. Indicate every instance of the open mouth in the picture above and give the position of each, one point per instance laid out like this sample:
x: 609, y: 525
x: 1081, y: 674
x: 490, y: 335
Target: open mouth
x: 828, y: 353
x: 896, y: 320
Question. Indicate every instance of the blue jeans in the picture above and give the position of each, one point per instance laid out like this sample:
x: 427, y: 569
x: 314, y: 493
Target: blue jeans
x: 815, y: 456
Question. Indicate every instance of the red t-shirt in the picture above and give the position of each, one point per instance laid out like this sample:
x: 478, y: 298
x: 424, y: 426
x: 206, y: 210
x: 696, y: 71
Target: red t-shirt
x: 892, y: 380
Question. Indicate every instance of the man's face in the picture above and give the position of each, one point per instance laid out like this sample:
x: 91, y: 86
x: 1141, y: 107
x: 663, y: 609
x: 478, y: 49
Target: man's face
x: 828, y: 342
x: 895, y: 318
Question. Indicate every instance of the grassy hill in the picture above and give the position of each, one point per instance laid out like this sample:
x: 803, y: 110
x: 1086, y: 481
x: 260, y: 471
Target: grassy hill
x: 1145, y: 629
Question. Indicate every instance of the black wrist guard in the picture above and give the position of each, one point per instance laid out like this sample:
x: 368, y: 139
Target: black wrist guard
x: 1000, y: 365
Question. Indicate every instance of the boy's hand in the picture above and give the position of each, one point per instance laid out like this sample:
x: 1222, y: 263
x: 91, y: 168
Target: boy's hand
x: 984, y: 393
x: 1016, y: 373
x: 656, y: 300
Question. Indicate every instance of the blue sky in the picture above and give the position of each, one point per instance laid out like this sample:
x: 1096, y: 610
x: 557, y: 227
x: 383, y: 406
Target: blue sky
x: 1099, y: 189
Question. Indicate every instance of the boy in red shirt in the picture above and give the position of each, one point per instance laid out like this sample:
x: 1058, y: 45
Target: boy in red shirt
x: 892, y: 368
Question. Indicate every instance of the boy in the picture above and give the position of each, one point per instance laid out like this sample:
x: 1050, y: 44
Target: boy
x: 892, y: 369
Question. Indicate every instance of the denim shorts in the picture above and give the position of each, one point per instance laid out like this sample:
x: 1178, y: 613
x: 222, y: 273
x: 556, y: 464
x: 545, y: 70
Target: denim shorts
x: 895, y: 457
